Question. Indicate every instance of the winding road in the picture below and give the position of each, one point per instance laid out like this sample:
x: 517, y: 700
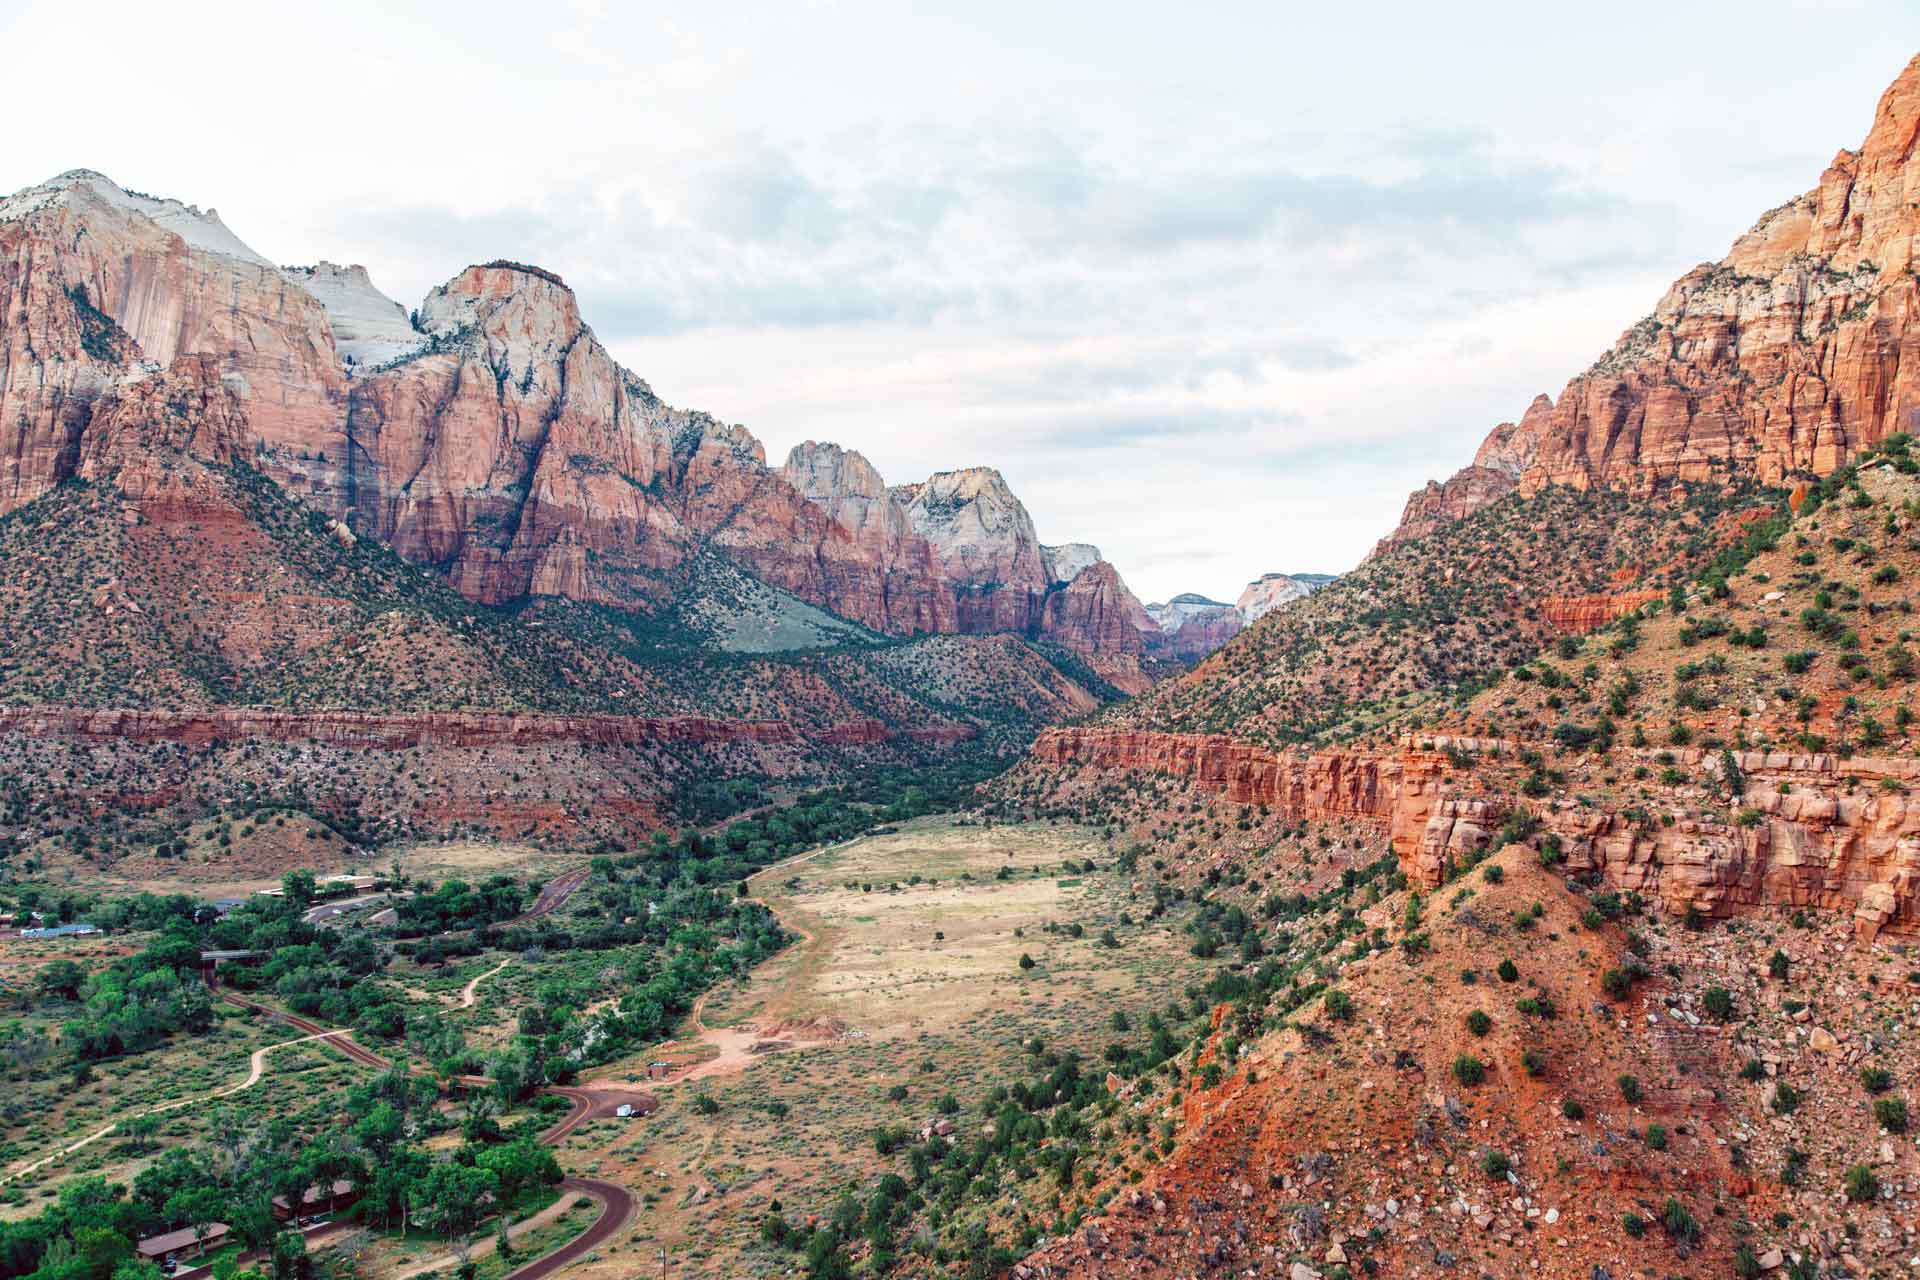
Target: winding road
x: 616, y: 1202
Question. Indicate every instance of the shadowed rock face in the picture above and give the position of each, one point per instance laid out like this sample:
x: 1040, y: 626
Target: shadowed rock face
x: 1794, y: 352
x: 490, y: 435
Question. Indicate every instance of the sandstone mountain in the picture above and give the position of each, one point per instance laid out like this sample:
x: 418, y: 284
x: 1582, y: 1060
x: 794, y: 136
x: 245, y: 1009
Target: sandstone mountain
x: 1474, y: 812
x: 1793, y: 352
x: 492, y: 437
x: 264, y: 528
x: 1792, y: 355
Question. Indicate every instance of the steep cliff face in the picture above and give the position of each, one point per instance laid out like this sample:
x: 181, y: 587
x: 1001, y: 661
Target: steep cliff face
x: 513, y: 447
x: 1792, y: 353
x: 870, y: 543
x: 490, y: 435
x: 985, y: 544
x: 100, y: 286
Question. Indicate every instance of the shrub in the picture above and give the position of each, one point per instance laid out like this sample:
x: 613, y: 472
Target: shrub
x: 1469, y: 1070
x: 1635, y: 1225
x: 1718, y: 1002
x: 705, y: 1105
x: 1753, y: 1070
x: 1656, y: 1136
x: 1629, y: 1088
x: 1861, y: 1185
x: 1495, y: 1164
x: 1493, y: 873
x: 1680, y: 1224
x: 1876, y: 1079
x: 1572, y: 1110
x: 1509, y: 972
x: 1026, y: 961
x: 1479, y: 1023
x: 1338, y: 1004
x: 1616, y: 983
x: 1535, y: 1006
x: 1535, y: 1061
x: 1778, y: 966
x: 1785, y: 1098
x: 1891, y: 1113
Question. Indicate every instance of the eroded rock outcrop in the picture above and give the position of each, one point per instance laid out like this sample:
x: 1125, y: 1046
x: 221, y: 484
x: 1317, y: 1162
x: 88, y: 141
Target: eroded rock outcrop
x: 1794, y: 352
x: 1825, y: 832
x: 1578, y: 615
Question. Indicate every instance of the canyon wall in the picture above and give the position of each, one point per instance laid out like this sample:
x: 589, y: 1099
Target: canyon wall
x: 489, y: 436
x: 1841, y: 835
x: 1794, y: 352
x: 399, y: 731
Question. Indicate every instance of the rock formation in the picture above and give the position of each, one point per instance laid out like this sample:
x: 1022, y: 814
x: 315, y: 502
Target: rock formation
x: 1189, y: 627
x: 1271, y: 590
x: 1792, y: 353
x: 490, y: 435
x: 1577, y: 615
x: 1820, y: 842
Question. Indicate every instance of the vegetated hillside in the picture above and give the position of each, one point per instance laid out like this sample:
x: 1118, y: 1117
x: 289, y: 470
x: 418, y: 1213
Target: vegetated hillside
x: 244, y: 597
x: 185, y: 635
x: 1652, y: 1090
x: 1802, y: 639
x: 1438, y: 614
x: 1520, y: 1076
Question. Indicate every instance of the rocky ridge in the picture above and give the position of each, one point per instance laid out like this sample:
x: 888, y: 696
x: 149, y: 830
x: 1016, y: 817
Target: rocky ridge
x: 1794, y: 352
x: 489, y: 436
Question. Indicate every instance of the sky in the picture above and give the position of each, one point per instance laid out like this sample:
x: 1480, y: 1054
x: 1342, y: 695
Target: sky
x: 1214, y: 285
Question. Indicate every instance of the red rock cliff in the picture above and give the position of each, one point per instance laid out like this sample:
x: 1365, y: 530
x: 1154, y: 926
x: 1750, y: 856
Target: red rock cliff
x: 1830, y: 838
x: 1792, y: 353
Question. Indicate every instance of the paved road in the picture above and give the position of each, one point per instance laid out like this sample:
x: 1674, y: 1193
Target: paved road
x: 328, y: 910
x: 616, y: 1206
x: 616, y: 1202
x: 555, y: 893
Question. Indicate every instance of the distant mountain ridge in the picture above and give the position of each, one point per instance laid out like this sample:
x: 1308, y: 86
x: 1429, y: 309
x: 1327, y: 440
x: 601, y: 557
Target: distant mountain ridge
x: 490, y: 436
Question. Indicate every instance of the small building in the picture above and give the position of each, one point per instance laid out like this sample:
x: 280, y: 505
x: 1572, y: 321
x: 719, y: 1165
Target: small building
x: 62, y: 931
x: 659, y: 1070
x: 318, y: 1199
x: 183, y: 1243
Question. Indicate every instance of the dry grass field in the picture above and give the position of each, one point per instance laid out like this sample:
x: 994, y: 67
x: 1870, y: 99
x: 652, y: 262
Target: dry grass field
x: 910, y: 962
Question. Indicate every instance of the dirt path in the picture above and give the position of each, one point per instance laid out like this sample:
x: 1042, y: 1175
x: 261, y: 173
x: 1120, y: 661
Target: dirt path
x: 737, y: 1048
x: 467, y: 996
x: 256, y: 1067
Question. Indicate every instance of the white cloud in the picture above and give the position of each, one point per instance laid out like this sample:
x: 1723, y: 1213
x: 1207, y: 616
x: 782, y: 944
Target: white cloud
x: 1216, y: 289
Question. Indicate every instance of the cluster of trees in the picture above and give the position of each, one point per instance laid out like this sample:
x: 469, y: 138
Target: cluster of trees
x: 138, y: 1001
x: 459, y: 905
x: 888, y: 794
x: 92, y: 1229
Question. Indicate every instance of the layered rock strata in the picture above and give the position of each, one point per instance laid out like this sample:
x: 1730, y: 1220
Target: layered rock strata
x: 1827, y: 833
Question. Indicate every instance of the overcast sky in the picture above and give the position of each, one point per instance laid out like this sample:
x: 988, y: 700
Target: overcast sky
x: 1215, y: 285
